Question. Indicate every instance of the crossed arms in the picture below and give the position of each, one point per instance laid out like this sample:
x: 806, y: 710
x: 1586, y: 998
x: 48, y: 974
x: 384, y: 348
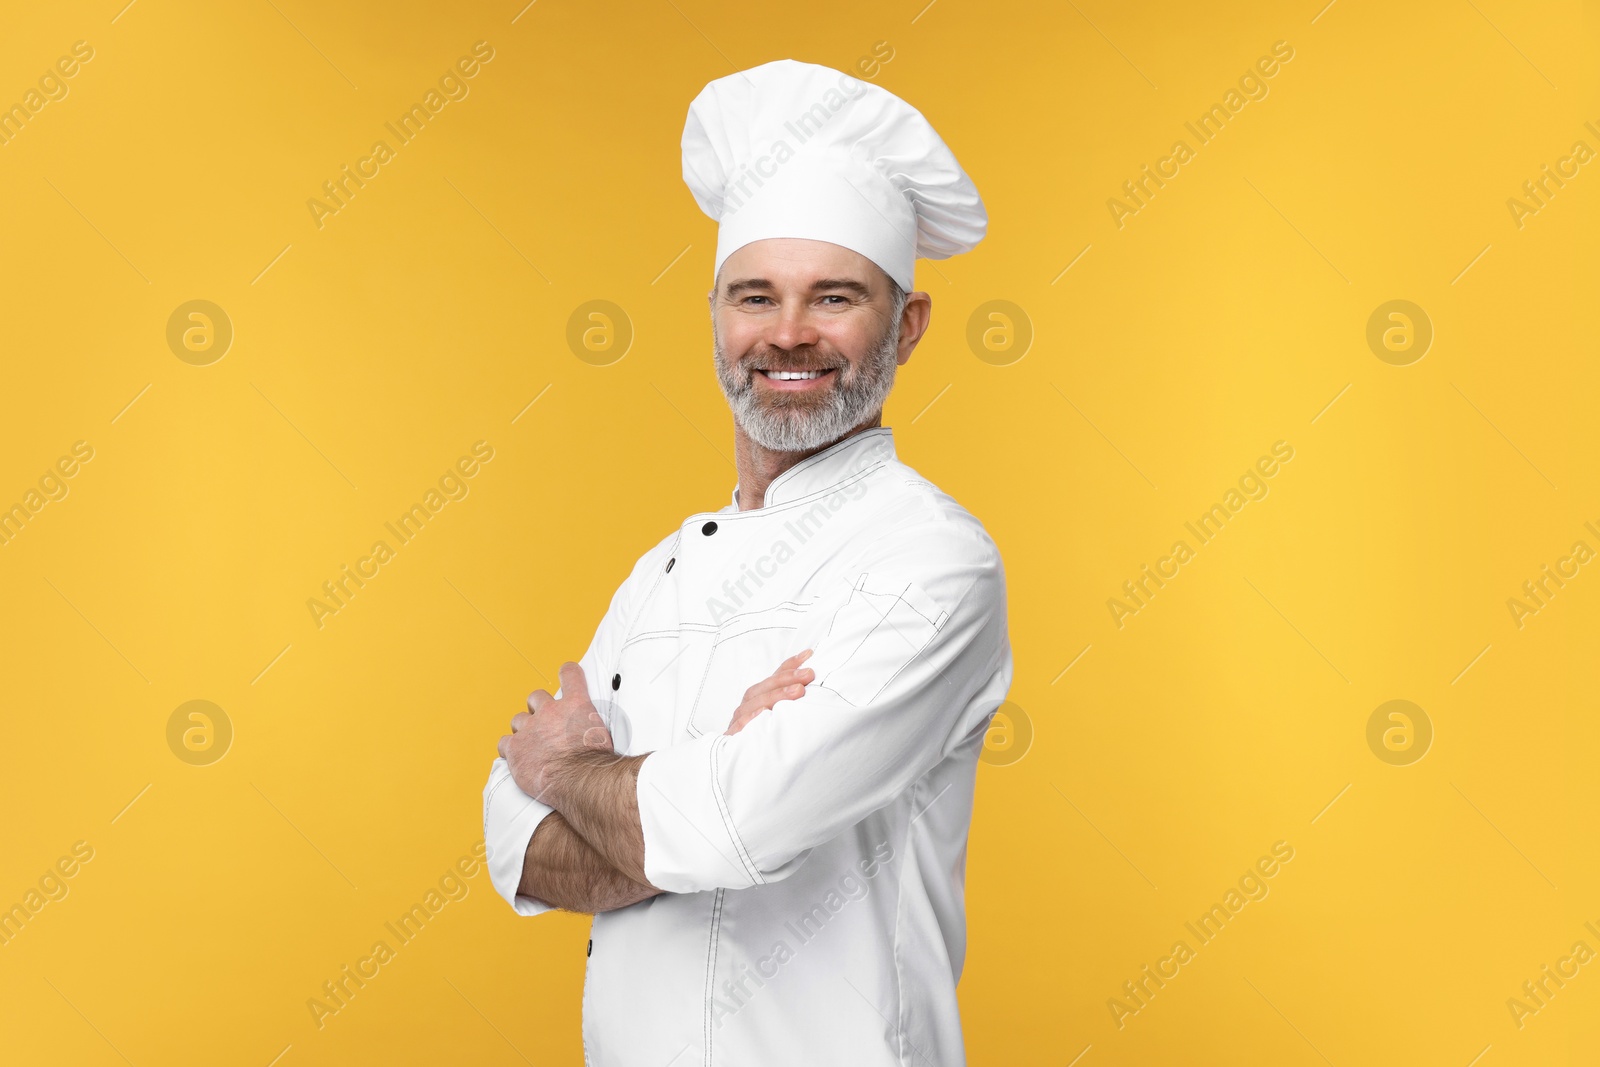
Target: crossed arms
x: 588, y: 854
x: 911, y: 659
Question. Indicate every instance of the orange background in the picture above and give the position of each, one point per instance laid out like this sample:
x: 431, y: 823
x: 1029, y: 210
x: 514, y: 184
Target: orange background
x: 1167, y: 354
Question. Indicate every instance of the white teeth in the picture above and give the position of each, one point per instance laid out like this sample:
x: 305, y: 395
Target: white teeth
x: 793, y: 375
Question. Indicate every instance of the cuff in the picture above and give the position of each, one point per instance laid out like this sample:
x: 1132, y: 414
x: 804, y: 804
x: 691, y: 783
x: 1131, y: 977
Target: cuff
x: 690, y: 843
x: 510, y: 817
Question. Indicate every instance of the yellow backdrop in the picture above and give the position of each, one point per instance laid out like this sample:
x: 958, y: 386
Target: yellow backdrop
x: 1275, y: 382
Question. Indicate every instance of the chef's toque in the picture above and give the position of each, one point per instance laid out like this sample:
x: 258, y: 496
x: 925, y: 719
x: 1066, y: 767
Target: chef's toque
x: 791, y: 149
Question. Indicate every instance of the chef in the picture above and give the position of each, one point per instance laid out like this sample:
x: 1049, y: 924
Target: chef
x: 759, y: 777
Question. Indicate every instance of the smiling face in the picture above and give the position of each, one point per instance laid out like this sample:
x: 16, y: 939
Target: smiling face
x: 807, y: 336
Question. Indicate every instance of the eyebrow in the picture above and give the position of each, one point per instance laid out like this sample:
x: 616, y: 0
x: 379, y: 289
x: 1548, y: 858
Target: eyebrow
x: 745, y: 285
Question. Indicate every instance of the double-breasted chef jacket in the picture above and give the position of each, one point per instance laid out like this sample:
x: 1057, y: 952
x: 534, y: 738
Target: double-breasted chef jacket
x: 813, y: 863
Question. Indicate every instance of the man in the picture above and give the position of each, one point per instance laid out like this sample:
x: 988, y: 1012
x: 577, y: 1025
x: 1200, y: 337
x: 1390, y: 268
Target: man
x: 760, y: 776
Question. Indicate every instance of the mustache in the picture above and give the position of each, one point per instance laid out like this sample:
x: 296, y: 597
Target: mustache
x: 794, y: 359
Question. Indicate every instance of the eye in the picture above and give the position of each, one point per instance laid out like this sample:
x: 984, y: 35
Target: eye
x: 747, y: 299
x: 836, y: 296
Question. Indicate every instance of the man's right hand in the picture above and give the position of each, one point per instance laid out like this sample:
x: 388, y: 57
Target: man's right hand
x: 550, y: 731
x: 788, y: 682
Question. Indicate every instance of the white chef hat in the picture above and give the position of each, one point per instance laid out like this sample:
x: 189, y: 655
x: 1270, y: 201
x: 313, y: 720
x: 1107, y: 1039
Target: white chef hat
x: 791, y: 149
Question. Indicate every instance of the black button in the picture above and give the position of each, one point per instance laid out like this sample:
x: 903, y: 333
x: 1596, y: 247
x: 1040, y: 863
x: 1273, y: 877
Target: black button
x: 616, y: 682
x: 670, y: 562
x: 591, y: 948
x: 709, y: 528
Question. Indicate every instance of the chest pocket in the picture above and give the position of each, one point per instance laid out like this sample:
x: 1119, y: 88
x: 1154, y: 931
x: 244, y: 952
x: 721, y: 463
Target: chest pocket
x: 747, y: 649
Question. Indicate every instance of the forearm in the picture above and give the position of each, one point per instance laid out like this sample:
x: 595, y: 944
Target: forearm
x: 597, y: 794
x: 563, y: 870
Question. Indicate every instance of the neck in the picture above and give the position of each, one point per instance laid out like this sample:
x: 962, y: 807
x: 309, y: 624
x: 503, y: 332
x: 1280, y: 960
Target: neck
x: 759, y: 466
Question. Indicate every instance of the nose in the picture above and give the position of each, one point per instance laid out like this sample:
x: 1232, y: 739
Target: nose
x: 792, y: 327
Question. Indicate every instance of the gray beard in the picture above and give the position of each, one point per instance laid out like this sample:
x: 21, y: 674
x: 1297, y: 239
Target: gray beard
x: 801, y: 425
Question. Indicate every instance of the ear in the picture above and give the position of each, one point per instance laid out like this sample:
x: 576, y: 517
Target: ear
x: 914, y: 320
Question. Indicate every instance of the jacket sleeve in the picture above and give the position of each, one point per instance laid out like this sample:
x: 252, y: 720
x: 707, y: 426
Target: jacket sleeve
x: 910, y: 658
x: 510, y: 816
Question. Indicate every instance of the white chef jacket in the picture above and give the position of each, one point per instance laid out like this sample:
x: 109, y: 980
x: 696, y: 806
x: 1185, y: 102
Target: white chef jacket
x: 814, y: 863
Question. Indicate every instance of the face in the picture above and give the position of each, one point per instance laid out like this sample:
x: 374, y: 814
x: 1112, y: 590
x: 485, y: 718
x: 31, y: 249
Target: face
x: 807, y: 340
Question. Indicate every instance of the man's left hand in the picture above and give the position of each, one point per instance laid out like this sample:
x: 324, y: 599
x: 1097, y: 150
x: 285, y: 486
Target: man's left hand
x: 551, y: 731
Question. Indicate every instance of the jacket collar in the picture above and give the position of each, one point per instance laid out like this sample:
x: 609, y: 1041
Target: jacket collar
x: 833, y: 466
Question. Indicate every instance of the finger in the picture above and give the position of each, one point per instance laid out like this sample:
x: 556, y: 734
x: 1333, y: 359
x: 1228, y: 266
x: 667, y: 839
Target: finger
x: 521, y: 721
x: 800, y: 676
x: 741, y: 718
x: 757, y: 704
x: 538, y: 699
x: 505, y: 748
x: 573, y: 683
x: 795, y: 660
